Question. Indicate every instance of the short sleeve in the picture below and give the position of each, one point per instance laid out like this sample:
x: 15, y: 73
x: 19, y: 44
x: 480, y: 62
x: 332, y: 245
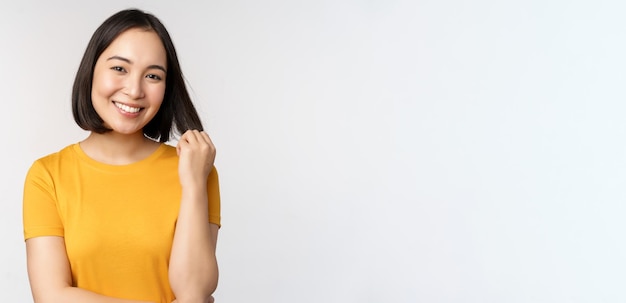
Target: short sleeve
x: 213, y: 193
x: 40, y: 212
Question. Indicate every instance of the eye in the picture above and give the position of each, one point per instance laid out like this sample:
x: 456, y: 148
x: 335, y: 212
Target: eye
x: 154, y: 77
x: 118, y: 69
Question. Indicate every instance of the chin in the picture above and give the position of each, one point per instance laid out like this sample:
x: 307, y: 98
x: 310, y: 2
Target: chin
x: 127, y: 132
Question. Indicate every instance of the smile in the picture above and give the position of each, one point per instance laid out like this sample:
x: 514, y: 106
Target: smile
x: 127, y: 108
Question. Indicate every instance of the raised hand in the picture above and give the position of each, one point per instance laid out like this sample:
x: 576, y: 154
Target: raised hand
x: 196, y: 156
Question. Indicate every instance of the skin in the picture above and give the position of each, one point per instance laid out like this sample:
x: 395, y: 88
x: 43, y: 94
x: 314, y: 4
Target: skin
x: 131, y: 71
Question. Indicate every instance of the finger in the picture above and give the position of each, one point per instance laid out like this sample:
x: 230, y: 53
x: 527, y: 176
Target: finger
x: 206, y: 138
x: 183, y: 137
x: 197, y: 137
x: 189, y: 136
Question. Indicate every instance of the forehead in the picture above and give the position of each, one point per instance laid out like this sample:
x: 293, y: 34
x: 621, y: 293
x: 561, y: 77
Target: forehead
x: 139, y: 46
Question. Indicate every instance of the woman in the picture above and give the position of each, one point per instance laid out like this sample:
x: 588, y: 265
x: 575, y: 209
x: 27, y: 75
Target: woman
x: 122, y: 217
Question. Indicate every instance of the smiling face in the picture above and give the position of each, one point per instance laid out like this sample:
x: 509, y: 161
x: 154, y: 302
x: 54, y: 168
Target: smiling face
x: 129, y: 81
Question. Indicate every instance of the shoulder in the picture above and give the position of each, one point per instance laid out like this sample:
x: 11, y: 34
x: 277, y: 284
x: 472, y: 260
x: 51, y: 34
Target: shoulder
x: 63, y: 154
x: 168, y: 150
x: 54, y: 160
x: 167, y: 153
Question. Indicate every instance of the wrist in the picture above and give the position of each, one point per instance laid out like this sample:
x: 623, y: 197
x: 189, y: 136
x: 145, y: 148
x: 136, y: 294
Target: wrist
x: 194, y: 186
x: 191, y: 300
x: 194, y: 192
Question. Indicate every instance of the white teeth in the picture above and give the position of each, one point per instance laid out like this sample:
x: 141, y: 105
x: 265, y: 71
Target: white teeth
x: 127, y: 108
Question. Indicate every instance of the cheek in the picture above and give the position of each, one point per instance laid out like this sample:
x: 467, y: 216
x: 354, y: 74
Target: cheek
x: 156, y: 93
x: 104, y: 86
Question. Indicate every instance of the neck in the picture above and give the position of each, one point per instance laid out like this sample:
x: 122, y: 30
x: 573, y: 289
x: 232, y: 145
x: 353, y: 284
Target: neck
x: 118, y: 149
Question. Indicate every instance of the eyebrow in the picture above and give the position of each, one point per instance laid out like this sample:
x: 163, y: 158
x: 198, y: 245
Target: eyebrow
x: 153, y: 66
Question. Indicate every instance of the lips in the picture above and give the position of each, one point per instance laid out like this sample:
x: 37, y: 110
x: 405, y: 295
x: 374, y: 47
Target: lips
x: 126, y: 108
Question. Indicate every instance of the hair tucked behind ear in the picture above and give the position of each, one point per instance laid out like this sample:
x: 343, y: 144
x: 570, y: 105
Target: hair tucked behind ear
x: 177, y: 110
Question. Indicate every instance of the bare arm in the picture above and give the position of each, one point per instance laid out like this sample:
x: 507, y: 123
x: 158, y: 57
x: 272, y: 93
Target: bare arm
x: 193, y: 271
x: 50, y: 276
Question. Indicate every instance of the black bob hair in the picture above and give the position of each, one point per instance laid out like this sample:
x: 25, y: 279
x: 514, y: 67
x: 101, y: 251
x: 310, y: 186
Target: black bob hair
x: 176, y: 110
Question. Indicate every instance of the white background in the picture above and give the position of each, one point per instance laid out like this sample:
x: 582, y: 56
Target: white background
x: 370, y: 151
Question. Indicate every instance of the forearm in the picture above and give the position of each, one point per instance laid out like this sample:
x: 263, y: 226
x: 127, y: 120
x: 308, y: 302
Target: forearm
x: 78, y: 295
x: 193, y: 269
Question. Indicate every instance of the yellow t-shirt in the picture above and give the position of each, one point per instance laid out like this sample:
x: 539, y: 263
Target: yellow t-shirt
x: 118, y: 221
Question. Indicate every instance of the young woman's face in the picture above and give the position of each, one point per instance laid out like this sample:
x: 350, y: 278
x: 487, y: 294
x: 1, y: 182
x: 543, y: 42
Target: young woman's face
x: 129, y: 81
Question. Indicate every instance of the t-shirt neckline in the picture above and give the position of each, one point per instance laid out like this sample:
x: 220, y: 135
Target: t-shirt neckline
x: 145, y: 162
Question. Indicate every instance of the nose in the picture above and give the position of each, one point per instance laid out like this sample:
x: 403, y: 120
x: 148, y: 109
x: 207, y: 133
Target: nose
x: 134, y: 87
